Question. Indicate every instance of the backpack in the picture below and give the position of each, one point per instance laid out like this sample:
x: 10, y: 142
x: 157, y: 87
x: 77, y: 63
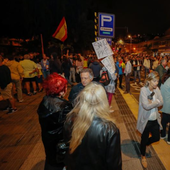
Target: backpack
x: 104, y: 79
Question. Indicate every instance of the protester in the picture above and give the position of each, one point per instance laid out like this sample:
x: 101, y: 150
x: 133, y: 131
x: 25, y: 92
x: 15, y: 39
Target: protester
x: 96, y: 67
x: 149, y: 119
x: 110, y: 88
x: 72, y: 69
x: 30, y: 70
x: 45, y: 66
x: 165, y: 91
x: 52, y: 113
x: 119, y: 66
x: 39, y: 77
x: 94, y: 140
x: 161, y: 70
x: 6, y: 86
x: 137, y: 69
x: 128, y: 70
x: 155, y: 63
x: 17, y: 74
x: 55, y: 64
x: 66, y: 64
x: 86, y: 77
x: 79, y: 67
x: 147, y: 65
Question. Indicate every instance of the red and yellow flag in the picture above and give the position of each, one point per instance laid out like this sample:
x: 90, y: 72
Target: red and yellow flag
x: 61, y: 31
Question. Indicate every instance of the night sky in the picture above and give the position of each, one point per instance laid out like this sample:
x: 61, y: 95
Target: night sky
x: 21, y: 18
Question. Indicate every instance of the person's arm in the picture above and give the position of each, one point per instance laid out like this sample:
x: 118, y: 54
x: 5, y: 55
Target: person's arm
x: 147, y: 104
x: 113, y: 152
x: 20, y: 71
x: 35, y: 70
x: 160, y: 98
x: 72, y: 95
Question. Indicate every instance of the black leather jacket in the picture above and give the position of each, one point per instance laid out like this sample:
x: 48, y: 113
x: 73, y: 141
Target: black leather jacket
x: 99, y: 150
x: 52, y: 115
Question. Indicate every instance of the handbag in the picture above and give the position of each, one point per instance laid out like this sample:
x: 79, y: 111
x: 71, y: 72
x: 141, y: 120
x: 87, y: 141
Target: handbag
x: 104, y: 79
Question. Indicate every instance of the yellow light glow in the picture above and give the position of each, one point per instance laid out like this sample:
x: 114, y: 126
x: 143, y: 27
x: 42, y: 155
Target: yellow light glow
x: 120, y: 41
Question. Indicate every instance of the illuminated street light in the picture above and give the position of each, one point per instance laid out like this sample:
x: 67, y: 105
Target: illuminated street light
x: 129, y: 36
x: 121, y: 42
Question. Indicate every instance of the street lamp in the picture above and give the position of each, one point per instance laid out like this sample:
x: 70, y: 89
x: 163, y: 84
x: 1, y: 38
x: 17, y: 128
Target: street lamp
x: 129, y: 36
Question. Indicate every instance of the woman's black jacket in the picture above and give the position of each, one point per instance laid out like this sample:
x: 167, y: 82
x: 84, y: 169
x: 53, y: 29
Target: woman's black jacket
x: 52, y: 113
x: 100, y: 148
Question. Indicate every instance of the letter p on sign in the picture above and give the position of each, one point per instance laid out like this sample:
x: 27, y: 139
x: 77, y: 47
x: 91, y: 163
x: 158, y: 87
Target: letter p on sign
x: 105, y: 18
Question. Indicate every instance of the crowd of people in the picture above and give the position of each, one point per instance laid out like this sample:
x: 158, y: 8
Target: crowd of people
x: 84, y: 121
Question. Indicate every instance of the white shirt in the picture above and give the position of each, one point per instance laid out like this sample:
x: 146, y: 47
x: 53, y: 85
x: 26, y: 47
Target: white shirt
x: 128, y: 68
x: 146, y: 63
x: 153, y: 111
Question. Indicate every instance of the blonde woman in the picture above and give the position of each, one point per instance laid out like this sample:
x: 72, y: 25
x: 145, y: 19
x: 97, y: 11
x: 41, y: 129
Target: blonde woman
x: 148, y: 116
x: 94, y: 140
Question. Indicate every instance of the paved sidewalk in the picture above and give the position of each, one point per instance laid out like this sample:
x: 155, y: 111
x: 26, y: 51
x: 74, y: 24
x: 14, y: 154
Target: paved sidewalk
x: 21, y: 146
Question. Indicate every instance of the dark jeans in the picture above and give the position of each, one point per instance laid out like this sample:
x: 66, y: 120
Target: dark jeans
x: 146, y: 71
x: 120, y: 80
x: 153, y: 128
x: 165, y: 120
x: 136, y: 73
x: 127, y: 81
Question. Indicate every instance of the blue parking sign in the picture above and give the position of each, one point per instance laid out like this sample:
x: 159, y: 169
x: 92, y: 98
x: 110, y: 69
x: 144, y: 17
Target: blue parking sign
x: 106, y: 25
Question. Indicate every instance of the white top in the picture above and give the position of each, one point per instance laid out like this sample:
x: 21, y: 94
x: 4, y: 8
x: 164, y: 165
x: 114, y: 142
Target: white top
x: 145, y: 107
x: 153, y: 111
x: 146, y: 63
x: 128, y: 68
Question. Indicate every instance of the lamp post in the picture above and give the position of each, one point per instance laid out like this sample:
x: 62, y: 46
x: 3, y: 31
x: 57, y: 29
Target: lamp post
x: 129, y: 36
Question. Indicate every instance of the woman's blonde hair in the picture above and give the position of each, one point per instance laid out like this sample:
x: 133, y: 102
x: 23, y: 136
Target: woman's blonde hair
x: 151, y: 76
x: 91, y: 101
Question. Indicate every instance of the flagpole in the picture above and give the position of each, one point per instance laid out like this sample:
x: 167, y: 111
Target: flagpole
x: 42, y: 46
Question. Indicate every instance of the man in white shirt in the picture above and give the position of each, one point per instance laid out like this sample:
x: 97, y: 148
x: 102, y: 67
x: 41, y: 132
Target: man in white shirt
x: 128, y: 70
x: 147, y: 65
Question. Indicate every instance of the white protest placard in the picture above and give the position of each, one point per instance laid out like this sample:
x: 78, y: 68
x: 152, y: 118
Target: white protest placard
x: 109, y: 63
x: 102, y: 48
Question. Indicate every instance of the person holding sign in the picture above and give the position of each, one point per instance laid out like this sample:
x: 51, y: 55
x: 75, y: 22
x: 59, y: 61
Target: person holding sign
x: 110, y: 88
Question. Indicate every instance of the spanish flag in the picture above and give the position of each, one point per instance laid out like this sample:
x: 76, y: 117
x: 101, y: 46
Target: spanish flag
x: 61, y: 31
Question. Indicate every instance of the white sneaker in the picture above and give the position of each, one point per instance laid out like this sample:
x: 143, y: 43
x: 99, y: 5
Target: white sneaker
x: 111, y: 111
x: 168, y: 142
x: 164, y: 137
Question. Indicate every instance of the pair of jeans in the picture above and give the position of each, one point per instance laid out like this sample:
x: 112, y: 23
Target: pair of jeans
x: 127, y: 81
x: 18, y: 88
x: 120, y: 80
x: 165, y: 120
x: 153, y: 128
x: 46, y: 73
x: 136, y: 73
x: 146, y: 71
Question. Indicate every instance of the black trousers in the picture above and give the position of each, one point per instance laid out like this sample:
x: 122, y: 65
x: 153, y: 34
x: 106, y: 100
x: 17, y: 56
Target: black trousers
x: 127, y: 81
x: 153, y: 128
x: 120, y: 80
x: 164, y: 122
